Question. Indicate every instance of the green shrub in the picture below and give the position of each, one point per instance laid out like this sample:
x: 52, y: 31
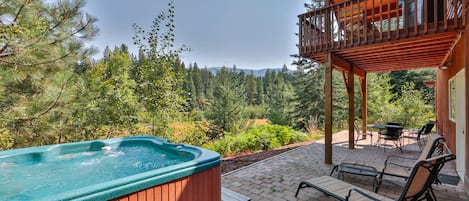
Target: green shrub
x: 6, y: 140
x: 257, y: 138
x: 255, y: 111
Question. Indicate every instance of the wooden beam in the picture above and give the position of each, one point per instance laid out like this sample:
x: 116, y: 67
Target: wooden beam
x: 358, y: 71
x: 451, y: 49
x: 328, y: 111
x: 364, y: 104
x: 344, y: 76
x: 345, y: 66
x: 341, y: 64
x: 351, y: 110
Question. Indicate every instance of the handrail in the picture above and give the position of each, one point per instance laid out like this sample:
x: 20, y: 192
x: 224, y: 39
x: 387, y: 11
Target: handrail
x: 356, y: 22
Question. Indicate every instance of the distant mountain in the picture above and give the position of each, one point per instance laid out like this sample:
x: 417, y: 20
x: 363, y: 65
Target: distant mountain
x: 257, y: 73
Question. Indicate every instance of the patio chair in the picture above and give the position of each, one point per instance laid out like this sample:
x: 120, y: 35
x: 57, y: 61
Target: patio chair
x: 360, y: 133
x: 417, y: 186
x: 393, y: 134
x: 396, y: 169
x: 425, y: 130
x: 391, y: 167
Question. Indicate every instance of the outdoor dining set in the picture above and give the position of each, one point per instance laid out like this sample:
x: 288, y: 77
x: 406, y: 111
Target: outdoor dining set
x: 395, y: 133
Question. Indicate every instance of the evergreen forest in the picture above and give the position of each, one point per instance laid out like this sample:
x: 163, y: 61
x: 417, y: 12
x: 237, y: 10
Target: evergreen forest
x: 54, y: 91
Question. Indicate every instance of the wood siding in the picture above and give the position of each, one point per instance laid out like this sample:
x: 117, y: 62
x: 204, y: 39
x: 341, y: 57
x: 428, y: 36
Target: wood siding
x: 204, y: 185
x: 445, y: 126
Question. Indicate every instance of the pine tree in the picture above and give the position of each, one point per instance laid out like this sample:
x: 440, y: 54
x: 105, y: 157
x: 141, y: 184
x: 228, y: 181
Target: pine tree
x: 114, y: 103
x: 309, y: 95
x: 197, y: 79
x: 380, y: 107
x: 281, y: 102
x: 227, y: 109
x: 40, y: 45
x: 251, y: 89
x: 260, y: 91
x: 207, y: 84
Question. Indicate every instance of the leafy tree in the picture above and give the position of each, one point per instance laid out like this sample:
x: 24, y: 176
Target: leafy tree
x: 226, y: 110
x: 40, y: 44
x: 400, y: 78
x: 158, y: 78
x: 190, y: 93
x: 412, y: 109
x: 114, y: 104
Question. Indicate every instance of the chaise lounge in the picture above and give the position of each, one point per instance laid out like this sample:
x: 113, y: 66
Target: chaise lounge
x: 392, y: 168
x: 422, y: 176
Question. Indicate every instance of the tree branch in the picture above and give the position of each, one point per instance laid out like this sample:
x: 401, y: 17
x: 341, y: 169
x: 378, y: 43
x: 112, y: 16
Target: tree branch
x: 88, y: 22
x: 2, y: 55
x: 26, y: 2
x: 38, y: 63
x: 48, y: 109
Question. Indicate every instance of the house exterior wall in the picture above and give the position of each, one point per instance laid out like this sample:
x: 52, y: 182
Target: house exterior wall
x: 445, y: 126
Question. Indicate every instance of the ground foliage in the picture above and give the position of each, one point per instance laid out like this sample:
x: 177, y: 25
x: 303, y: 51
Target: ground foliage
x: 258, y: 138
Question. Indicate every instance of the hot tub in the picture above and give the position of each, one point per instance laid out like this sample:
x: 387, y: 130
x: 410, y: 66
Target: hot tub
x: 143, y: 167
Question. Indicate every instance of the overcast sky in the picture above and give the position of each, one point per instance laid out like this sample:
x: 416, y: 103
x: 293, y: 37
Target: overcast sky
x: 249, y: 33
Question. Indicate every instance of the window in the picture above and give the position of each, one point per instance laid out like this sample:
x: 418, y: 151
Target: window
x: 452, y: 99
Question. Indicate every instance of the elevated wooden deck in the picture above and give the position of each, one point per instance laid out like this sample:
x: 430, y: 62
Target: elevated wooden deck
x: 383, y: 35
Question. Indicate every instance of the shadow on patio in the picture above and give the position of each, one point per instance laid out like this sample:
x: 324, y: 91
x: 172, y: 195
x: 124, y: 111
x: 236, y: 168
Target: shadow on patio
x: 277, y: 178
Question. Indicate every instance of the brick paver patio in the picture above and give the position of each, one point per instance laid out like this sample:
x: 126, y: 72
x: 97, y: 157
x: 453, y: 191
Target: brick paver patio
x: 277, y: 178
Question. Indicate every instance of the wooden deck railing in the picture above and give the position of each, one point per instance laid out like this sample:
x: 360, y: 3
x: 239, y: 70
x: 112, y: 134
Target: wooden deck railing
x: 358, y: 22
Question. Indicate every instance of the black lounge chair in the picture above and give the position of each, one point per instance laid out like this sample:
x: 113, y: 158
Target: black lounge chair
x: 418, y: 185
x: 392, y: 168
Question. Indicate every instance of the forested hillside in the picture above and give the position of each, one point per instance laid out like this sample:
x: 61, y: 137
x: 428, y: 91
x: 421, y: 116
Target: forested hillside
x: 53, y: 91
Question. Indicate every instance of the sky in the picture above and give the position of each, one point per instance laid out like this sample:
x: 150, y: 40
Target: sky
x: 252, y: 34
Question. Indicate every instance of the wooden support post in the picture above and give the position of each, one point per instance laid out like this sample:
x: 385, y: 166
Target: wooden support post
x: 351, y: 109
x: 364, y: 103
x: 328, y: 108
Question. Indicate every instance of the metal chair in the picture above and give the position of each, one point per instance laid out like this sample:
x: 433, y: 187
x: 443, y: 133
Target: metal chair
x: 392, y: 133
x: 359, y: 133
x: 424, y: 131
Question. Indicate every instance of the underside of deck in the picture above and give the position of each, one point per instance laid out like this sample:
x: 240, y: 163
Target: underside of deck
x: 405, y: 54
x: 377, y: 36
